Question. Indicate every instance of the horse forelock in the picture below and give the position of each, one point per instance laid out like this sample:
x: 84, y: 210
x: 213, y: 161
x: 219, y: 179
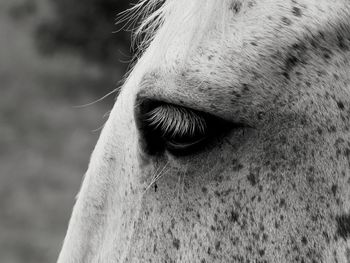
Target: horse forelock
x: 161, y: 21
x: 167, y: 29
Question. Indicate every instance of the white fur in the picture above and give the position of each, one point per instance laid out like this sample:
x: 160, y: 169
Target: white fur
x: 102, y: 224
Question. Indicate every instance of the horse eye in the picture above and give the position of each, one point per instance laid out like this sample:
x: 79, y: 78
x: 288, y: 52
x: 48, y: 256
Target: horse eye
x: 177, y: 129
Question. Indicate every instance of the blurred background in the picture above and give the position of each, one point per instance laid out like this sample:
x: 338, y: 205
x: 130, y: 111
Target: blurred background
x: 54, y: 55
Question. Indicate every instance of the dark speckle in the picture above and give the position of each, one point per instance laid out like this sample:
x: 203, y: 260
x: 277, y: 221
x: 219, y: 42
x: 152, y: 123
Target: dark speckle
x: 286, y: 21
x: 217, y: 245
x: 277, y: 225
x: 341, y: 43
x: 304, y: 240
x: 291, y: 62
x: 332, y: 129
x: 252, y: 178
x: 326, y: 236
x: 204, y: 190
x: 326, y: 56
x: 176, y: 243
x: 236, y: 6
x: 343, y: 226
x: 340, y: 105
x: 236, y: 165
x: 347, y: 152
x: 282, y: 202
x: 334, y: 189
x: 233, y: 216
x: 296, y: 11
x: 261, y: 252
x: 265, y: 237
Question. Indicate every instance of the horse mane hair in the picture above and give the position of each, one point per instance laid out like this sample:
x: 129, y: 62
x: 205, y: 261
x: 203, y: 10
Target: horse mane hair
x: 169, y: 18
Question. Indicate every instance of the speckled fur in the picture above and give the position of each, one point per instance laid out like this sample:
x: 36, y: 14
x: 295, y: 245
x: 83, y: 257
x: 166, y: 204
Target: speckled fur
x: 277, y: 192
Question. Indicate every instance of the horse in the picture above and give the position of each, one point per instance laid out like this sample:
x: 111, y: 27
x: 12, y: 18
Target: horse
x: 229, y: 140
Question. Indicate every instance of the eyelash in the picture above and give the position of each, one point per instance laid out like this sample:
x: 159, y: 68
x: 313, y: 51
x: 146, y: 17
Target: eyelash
x: 173, y: 122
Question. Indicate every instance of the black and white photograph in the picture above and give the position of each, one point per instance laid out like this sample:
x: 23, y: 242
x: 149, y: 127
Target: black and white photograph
x: 174, y: 131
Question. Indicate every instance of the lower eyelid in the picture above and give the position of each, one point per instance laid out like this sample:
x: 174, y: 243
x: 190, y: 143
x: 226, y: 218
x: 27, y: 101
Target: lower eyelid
x: 179, y: 146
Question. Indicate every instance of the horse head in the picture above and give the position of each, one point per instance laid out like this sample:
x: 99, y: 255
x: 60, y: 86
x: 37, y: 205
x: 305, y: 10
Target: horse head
x: 229, y: 141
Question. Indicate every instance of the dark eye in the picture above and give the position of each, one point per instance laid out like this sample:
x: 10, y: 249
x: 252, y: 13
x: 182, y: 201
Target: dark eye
x: 177, y: 129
